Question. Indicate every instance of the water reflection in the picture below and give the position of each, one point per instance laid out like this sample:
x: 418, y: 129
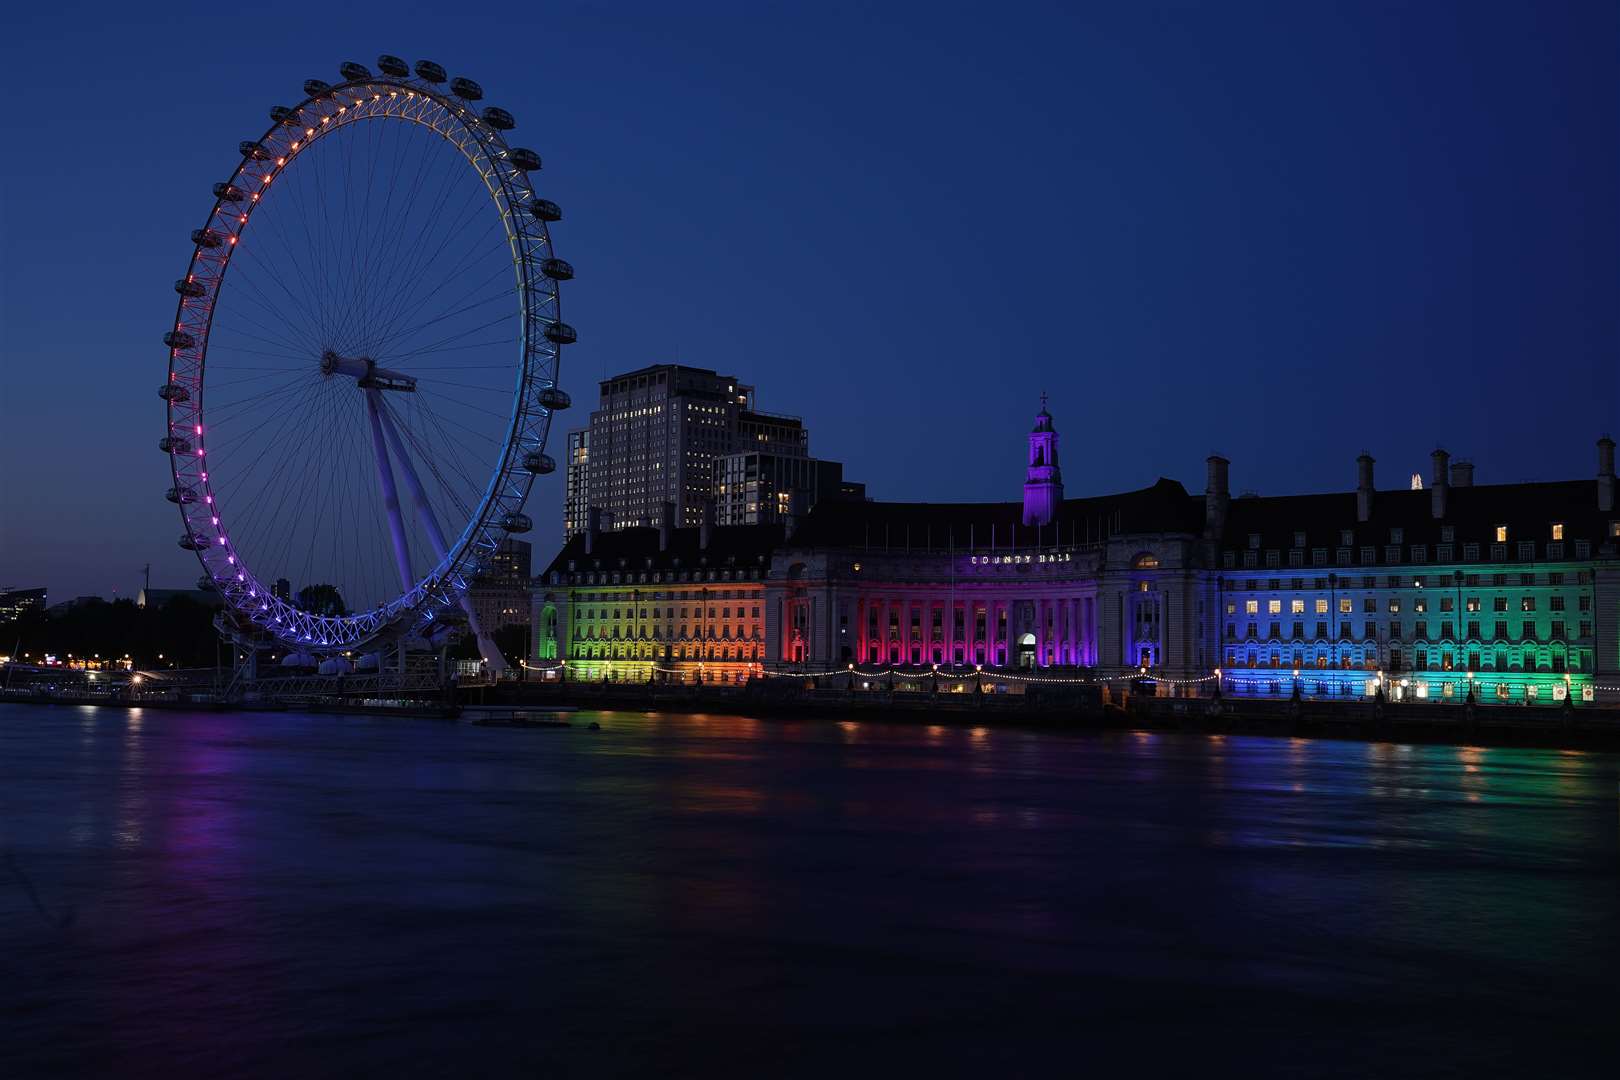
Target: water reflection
x: 698, y: 891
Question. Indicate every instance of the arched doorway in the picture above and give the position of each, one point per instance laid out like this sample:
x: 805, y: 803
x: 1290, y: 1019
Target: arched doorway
x: 1026, y: 651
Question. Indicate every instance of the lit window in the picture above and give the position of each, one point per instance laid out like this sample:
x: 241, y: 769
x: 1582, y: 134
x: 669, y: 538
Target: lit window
x: 1251, y: 607
x: 1501, y: 534
x: 1558, y: 530
x: 1273, y: 607
x: 1296, y: 607
x: 1321, y: 606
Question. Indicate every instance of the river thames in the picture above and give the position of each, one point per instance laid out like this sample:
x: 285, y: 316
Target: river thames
x: 279, y: 894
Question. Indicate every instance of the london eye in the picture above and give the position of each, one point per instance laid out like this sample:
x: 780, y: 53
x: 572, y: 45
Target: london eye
x: 356, y: 411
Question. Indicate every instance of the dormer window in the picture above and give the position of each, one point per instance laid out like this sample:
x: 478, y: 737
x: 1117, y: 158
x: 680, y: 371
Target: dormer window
x: 1254, y: 541
x: 1558, y: 530
x: 1448, y: 534
x: 1501, y: 534
x: 1299, y: 539
x: 1397, y: 536
x: 1347, y: 537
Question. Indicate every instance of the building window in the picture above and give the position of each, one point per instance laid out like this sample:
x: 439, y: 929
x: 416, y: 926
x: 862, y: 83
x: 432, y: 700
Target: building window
x: 1251, y: 607
x: 1273, y: 607
x: 1501, y: 534
x: 1558, y: 530
x: 1346, y: 537
x: 1296, y: 607
x: 1299, y: 539
x: 1448, y: 534
x: 1397, y: 536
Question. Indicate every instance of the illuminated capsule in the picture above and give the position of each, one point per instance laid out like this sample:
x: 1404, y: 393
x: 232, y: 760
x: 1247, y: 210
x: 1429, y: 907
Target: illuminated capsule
x: 181, y: 495
x: 545, y: 210
x: 253, y: 151
x: 560, y: 333
x: 174, y: 392
x: 430, y: 71
x: 554, y: 399
x: 227, y: 193
x: 499, y: 119
x: 353, y: 72
x: 538, y: 463
x: 523, y: 158
x: 393, y: 66
x: 280, y: 114
x: 557, y: 270
x: 179, y: 339
x: 207, y: 238
x: 466, y: 89
x: 317, y: 87
x: 194, y: 542
x: 190, y: 289
x: 174, y: 444
x: 516, y: 523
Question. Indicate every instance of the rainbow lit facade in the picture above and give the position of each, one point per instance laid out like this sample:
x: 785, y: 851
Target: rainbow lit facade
x: 1510, y: 593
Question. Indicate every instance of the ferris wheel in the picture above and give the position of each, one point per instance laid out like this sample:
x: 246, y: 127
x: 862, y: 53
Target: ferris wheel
x: 353, y: 426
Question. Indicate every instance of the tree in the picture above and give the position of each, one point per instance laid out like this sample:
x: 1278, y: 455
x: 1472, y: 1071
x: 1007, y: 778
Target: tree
x: 321, y: 600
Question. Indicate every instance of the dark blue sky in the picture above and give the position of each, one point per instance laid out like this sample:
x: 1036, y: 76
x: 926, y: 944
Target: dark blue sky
x: 1287, y: 231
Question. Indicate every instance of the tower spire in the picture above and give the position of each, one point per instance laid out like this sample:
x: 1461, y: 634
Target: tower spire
x: 1043, y: 480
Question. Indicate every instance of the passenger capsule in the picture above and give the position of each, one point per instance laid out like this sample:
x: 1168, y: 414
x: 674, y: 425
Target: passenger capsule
x: 227, y: 193
x: 174, y: 392
x: 516, y: 523
x: 554, y: 399
x: 560, y: 333
x: 253, y: 151
x: 181, y: 495
x: 557, y: 270
x: 499, y: 119
x: 194, y: 541
x: 430, y: 71
x: 179, y: 339
x: 190, y: 289
x: 522, y: 158
x: 538, y: 463
x: 393, y: 66
x: 317, y: 87
x: 466, y: 89
x: 207, y: 238
x: 280, y: 114
x: 174, y: 444
x: 545, y: 210
x: 353, y: 72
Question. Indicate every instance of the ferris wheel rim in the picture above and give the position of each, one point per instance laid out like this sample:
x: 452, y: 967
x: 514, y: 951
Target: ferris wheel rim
x: 526, y: 431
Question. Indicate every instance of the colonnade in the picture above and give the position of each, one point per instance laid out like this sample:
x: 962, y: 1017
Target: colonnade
x: 989, y: 630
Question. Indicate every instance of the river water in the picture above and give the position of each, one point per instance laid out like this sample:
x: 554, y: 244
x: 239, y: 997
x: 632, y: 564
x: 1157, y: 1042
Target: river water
x: 277, y: 894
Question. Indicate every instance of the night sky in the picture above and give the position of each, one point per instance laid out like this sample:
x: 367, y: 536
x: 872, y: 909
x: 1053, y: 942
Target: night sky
x: 1288, y: 232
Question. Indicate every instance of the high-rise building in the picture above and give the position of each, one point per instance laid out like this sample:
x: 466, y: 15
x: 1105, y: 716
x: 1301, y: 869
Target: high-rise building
x: 654, y: 438
x: 500, y: 596
x: 578, y: 494
x: 755, y: 488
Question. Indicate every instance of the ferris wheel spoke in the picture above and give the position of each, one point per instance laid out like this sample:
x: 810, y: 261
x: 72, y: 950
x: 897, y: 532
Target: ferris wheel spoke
x: 220, y: 413
x: 418, y: 306
x: 408, y: 298
x: 484, y: 302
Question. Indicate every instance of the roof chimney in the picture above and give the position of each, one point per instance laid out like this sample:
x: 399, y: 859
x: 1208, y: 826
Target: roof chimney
x: 666, y: 524
x: 1216, y: 496
x: 593, y: 527
x: 1439, y: 482
x: 1462, y: 474
x: 1364, y: 486
x: 1606, y: 474
x: 706, y: 531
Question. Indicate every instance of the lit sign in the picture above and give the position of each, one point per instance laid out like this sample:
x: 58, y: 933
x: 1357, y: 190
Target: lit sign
x: 1010, y: 560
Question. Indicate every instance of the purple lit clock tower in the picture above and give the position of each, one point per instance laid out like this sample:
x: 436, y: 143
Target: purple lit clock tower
x: 1043, y: 484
